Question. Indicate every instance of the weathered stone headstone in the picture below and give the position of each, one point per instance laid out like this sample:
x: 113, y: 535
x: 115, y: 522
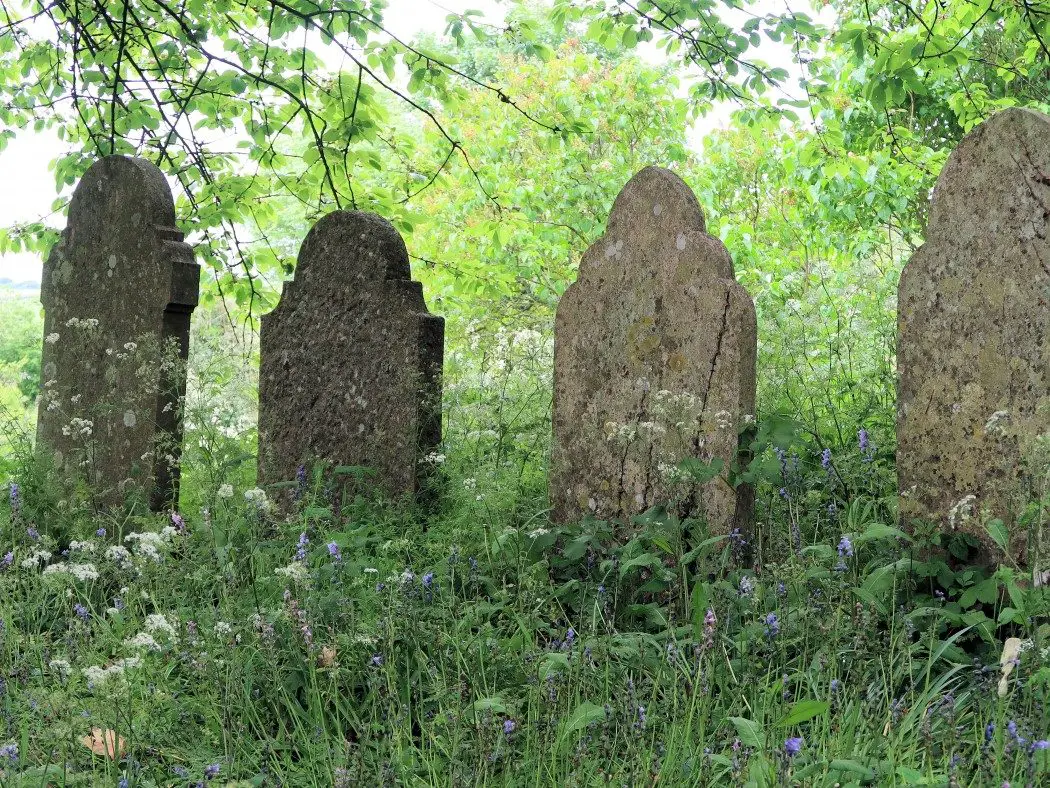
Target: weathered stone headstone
x: 973, y: 330
x: 118, y: 289
x: 350, y: 370
x: 654, y: 364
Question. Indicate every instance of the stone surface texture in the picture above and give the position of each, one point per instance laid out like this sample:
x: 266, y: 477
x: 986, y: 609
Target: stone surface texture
x: 654, y: 362
x: 118, y: 289
x: 973, y: 325
x: 351, y: 360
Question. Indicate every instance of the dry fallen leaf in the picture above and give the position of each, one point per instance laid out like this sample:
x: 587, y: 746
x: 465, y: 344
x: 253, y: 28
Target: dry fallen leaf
x: 106, y: 743
x: 326, y: 659
x: 1011, y: 649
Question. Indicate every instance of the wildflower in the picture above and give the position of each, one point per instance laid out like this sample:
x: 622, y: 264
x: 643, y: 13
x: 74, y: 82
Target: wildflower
x: 33, y: 533
x: 781, y: 589
x: 143, y: 640
x: 9, y: 752
x: 862, y: 440
x: 101, y: 533
x: 178, y: 522
x: 122, y: 782
x: 377, y: 661
x: 334, y: 552
x: 428, y: 580
x: 1042, y: 744
x: 709, y: 629
x: 7, y: 560
x: 747, y: 586
x: 989, y: 732
x: 300, y: 482
x: 295, y: 572
x: 793, y: 747
x: 81, y: 612
x: 508, y: 727
x: 772, y: 626
x: 570, y: 637
x: 825, y: 459
x: 836, y: 685
x: 641, y: 717
x: 211, y: 771
x: 224, y: 491
x: 300, y: 552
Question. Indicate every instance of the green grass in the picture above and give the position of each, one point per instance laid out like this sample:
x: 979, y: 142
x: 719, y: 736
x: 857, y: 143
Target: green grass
x: 437, y: 650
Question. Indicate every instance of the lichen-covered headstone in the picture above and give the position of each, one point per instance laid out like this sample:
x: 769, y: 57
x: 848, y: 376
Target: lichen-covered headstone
x: 654, y: 366
x: 350, y: 370
x: 118, y: 290
x: 973, y: 331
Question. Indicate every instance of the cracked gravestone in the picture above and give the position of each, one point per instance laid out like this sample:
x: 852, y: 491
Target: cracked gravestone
x: 118, y: 289
x: 350, y: 369
x: 654, y: 366
x: 973, y: 325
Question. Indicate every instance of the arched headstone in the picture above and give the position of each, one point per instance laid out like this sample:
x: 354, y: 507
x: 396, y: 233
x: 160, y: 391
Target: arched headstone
x: 973, y: 327
x: 350, y: 370
x: 654, y: 365
x: 118, y: 289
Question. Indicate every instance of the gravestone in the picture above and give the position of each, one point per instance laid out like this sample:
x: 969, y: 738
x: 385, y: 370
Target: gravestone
x: 350, y: 369
x: 973, y: 326
x: 654, y: 366
x: 118, y: 289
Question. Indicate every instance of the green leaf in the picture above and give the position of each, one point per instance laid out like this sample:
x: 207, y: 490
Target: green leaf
x: 997, y: 531
x: 749, y: 732
x: 803, y: 711
x: 585, y: 715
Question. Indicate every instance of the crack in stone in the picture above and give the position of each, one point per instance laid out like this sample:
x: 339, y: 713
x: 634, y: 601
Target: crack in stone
x: 691, y: 501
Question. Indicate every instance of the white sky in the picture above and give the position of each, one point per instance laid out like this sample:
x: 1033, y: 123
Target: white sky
x: 30, y: 188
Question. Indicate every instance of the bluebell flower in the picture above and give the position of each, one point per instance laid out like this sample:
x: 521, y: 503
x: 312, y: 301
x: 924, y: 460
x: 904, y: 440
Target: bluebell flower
x: 508, y: 727
x: 300, y: 552
x: 793, y: 747
x: 825, y: 459
x: 845, y: 547
x: 16, y: 499
x: 862, y: 439
x: 334, y: 551
x: 772, y: 626
x: 570, y: 637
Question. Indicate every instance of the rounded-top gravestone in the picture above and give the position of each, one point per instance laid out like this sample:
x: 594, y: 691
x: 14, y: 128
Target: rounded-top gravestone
x: 654, y: 366
x: 118, y: 289
x: 350, y: 368
x: 973, y: 327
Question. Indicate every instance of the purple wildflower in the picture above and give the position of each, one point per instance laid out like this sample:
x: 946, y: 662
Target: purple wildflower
x: 9, y: 752
x: 1042, y: 744
x: 570, y: 637
x: 81, y: 612
x: 862, y: 440
x: 989, y: 732
x: 33, y: 533
x: 377, y: 661
x: 772, y: 626
x: 178, y: 522
x: 641, y: 717
x: 845, y: 547
x: 508, y: 727
x: 710, y: 621
x: 825, y: 459
x: 334, y: 551
x: 793, y: 747
x: 211, y: 771
x: 428, y: 580
x: 101, y: 533
x: 300, y: 552
x: 16, y: 499
x: 836, y: 685
x: 7, y: 560
x: 300, y: 482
